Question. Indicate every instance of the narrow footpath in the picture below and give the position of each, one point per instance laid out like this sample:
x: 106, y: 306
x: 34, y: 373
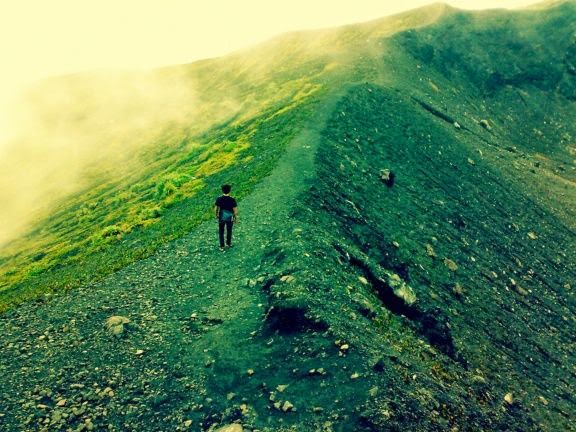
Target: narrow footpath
x: 194, y: 337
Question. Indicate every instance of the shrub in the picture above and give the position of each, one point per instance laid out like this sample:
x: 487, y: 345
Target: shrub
x: 112, y: 230
x: 151, y: 213
x: 164, y: 189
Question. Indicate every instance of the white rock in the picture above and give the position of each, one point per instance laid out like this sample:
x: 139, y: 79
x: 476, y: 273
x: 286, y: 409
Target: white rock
x: 235, y: 427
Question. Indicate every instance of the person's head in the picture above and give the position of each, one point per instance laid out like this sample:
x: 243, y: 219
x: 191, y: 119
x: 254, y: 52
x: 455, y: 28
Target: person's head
x: 226, y: 189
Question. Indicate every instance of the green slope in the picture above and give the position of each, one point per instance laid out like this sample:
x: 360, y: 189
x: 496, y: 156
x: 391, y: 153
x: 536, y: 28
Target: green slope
x: 128, y: 202
x: 442, y: 303
x: 114, y: 165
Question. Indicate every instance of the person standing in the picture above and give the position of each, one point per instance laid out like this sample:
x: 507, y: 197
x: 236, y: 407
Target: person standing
x: 226, y: 211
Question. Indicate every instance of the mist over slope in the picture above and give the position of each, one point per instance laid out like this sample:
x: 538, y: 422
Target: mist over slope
x: 443, y: 302
x: 118, y: 150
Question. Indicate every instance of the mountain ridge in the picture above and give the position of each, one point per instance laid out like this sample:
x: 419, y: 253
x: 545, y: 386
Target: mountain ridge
x: 441, y: 302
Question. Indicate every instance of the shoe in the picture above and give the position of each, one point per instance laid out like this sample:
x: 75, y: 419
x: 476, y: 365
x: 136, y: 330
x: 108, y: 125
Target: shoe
x: 222, y: 248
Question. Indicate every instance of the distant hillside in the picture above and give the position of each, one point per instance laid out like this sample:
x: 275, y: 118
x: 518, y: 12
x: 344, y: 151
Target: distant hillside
x: 441, y: 299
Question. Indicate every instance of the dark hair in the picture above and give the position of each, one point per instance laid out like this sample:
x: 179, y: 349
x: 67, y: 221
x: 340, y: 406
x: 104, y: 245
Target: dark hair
x: 226, y: 188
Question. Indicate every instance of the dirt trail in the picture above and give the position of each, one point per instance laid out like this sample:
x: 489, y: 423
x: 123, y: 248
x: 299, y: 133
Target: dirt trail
x: 195, y: 314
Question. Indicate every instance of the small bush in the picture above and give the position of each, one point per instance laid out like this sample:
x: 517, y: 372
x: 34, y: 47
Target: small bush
x: 112, y: 230
x: 151, y: 213
x: 38, y: 256
x: 165, y: 188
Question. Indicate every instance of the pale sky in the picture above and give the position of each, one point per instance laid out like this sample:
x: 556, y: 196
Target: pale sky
x: 41, y: 38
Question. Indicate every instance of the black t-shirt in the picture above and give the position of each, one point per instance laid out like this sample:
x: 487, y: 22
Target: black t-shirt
x: 226, y: 203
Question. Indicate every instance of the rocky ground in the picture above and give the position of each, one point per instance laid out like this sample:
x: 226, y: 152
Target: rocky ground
x: 440, y: 301
x: 331, y: 312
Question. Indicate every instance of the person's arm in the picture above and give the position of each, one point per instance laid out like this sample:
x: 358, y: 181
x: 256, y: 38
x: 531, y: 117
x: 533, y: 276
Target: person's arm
x: 235, y: 210
x: 217, y: 211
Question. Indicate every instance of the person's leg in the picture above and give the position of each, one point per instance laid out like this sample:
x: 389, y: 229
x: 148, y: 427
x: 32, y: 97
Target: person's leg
x: 221, y: 233
x: 229, y: 225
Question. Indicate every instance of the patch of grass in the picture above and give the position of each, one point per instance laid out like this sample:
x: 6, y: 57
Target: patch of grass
x: 119, y: 222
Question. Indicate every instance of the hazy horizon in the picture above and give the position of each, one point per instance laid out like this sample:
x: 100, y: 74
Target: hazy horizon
x: 64, y: 37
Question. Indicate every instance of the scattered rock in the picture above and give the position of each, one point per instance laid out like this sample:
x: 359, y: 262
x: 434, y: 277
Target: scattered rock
x: 458, y: 289
x: 478, y: 379
x: 450, y: 264
x: 514, y: 285
x: 355, y: 375
x: 363, y: 280
x: 287, y: 406
x: 250, y: 372
x: 485, y: 124
x: 509, y: 398
x: 543, y: 400
x: 532, y: 235
x: 401, y: 289
x: 471, y: 161
x: 373, y: 391
x: 430, y: 250
x: 188, y: 423
x: 61, y: 402
x: 387, y: 176
x: 395, y: 244
x: 139, y: 352
x: 457, y: 125
x: 115, y: 324
x: 281, y: 387
x: 287, y: 278
x: 234, y: 427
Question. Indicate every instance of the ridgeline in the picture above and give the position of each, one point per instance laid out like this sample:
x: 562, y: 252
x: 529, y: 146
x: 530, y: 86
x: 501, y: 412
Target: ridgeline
x: 439, y: 300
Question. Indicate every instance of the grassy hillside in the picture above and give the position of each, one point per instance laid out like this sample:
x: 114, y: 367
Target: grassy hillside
x: 442, y: 302
x: 130, y: 196
x: 113, y: 165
